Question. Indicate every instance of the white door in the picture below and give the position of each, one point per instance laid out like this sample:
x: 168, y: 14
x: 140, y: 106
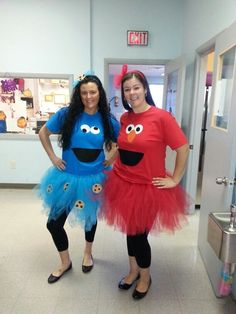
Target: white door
x: 220, y: 153
x: 173, y: 97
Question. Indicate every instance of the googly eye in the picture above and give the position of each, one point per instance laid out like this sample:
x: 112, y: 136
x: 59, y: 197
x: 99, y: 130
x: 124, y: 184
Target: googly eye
x: 95, y: 130
x: 79, y: 204
x: 97, y: 188
x: 81, y: 77
x: 49, y: 188
x: 138, y: 128
x: 66, y: 186
x: 129, y: 128
x: 85, y: 128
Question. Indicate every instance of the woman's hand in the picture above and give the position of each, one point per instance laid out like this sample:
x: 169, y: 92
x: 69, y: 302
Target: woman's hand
x: 58, y: 163
x: 180, y: 162
x: 164, y: 183
x: 107, y: 162
x: 112, y: 155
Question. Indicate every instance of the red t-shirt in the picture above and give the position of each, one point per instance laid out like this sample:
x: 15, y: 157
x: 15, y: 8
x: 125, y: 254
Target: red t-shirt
x: 142, y: 144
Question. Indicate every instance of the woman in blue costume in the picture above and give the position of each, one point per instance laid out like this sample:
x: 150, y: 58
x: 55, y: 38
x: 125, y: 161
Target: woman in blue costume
x: 73, y: 186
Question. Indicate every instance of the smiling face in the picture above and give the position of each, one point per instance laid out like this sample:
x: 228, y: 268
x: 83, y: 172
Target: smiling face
x: 134, y: 93
x: 90, y: 97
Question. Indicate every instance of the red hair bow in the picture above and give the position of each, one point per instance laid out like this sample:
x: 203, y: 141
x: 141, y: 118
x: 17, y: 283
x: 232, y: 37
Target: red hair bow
x: 118, y: 77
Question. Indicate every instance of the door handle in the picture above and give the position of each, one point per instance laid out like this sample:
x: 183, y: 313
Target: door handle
x: 225, y: 181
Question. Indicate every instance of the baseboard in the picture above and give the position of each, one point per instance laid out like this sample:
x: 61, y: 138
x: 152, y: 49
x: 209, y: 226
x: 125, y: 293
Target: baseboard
x: 17, y: 186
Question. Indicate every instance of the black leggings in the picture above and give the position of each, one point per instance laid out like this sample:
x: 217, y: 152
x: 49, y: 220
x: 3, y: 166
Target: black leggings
x: 56, y: 228
x: 139, y: 248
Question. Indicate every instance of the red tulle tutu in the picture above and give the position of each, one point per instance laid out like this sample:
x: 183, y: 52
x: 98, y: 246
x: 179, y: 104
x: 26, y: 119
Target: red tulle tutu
x: 137, y: 208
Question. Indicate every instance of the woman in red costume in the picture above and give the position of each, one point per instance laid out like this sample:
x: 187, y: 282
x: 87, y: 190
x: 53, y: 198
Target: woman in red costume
x: 140, y: 196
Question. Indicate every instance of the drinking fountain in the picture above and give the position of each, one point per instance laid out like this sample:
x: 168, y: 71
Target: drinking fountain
x: 222, y: 238
x: 222, y: 234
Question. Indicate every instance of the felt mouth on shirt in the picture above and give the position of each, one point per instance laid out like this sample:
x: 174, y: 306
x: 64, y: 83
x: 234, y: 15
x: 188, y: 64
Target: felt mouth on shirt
x: 130, y: 158
x: 86, y: 154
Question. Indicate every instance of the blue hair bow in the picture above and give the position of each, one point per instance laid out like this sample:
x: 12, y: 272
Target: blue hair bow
x: 80, y: 77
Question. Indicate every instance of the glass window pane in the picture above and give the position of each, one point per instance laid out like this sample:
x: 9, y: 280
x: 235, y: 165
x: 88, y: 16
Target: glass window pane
x: 27, y: 103
x: 224, y: 87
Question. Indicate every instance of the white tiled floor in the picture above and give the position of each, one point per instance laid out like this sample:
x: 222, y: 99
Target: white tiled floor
x: 27, y: 256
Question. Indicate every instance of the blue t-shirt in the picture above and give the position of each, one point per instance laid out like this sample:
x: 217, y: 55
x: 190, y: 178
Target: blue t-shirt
x: 85, y: 155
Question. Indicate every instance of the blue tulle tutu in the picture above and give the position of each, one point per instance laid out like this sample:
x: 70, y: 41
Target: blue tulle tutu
x: 79, y: 196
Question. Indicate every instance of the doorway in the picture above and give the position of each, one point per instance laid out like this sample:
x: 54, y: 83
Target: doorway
x: 201, y: 96
x: 206, y: 108
x: 154, y: 71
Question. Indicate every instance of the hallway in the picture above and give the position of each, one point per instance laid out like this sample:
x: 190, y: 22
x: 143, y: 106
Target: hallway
x: 179, y: 282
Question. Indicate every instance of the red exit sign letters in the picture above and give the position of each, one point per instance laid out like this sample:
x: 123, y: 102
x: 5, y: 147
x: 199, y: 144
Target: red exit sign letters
x: 137, y: 38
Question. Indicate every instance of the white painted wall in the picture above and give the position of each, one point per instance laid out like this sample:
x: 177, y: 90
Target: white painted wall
x: 111, y: 19
x: 204, y: 19
x: 56, y: 36
x: 48, y: 36
x: 23, y: 160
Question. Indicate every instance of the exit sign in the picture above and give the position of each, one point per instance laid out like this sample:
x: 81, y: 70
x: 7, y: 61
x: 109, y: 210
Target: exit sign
x: 137, y: 38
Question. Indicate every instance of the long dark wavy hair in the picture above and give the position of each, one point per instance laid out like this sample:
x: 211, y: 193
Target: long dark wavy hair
x: 76, y: 108
x: 142, y: 79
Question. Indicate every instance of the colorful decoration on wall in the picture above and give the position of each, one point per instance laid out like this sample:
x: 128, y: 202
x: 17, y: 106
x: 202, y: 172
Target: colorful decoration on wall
x: 8, y: 85
x: 7, y: 98
x: 3, y: 125
x: 27, y: 92
x: 21, y: 122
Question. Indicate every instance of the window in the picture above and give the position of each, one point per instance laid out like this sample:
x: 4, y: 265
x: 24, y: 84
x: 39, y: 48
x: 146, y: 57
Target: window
x: 27, y: 102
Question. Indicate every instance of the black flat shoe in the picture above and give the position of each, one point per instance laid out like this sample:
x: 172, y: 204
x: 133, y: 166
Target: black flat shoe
x: 140, y: 295
x: 52, y: 278
x: 87, y: 269
x: 125, y: 286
